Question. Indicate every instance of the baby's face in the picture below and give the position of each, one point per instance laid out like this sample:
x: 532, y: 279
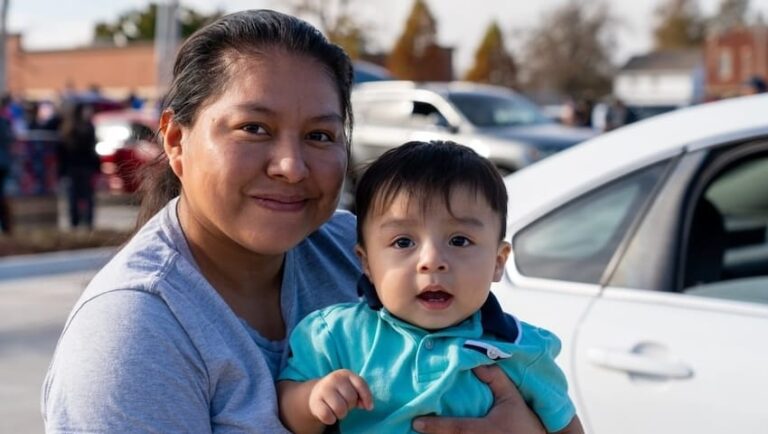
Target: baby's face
x: 434, y: 269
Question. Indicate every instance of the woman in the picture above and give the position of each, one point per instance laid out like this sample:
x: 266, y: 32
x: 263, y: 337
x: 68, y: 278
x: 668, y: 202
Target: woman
x: 184, y: 330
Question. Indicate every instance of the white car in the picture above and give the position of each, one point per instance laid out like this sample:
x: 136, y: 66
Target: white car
x: 646, y: 251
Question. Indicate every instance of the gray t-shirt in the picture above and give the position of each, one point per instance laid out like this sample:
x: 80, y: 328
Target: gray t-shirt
x: 150, y: 346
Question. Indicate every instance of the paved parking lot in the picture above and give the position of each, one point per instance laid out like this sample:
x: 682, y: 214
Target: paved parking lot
x: 32, y: 314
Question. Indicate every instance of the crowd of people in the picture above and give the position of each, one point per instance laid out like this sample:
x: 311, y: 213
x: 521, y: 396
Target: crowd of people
x: 66, y: 127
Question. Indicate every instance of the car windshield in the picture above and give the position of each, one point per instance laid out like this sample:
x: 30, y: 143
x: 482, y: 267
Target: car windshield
x: 485, y: 110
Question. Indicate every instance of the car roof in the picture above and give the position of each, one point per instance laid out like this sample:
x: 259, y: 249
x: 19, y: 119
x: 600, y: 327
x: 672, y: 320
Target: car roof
x: 440, y: 87
x: 537, y: 188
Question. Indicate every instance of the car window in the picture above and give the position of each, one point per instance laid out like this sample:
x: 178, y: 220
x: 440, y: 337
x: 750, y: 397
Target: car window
x: 485, y: 110
x: 727, y: 248
x: 576, y: 242
x: 383, y: 112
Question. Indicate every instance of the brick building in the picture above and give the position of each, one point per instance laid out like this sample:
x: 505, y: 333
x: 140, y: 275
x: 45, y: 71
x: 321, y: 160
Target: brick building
x: 115, y: 70
x: 732, y: 56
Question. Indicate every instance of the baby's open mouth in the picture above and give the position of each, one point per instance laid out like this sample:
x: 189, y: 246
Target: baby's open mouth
x: 435, y: 296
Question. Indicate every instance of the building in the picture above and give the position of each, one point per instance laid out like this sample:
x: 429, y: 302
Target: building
x: 661, y: 80
x: 116, y: 71
x: 732, y: 56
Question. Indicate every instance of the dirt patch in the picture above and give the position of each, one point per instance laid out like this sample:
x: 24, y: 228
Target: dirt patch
x: 50, y: 240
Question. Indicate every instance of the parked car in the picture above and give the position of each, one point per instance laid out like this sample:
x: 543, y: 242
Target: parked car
x: 646, y: 251
x: 367, y: 71
x: 125, y: 142
x: 495, y: 121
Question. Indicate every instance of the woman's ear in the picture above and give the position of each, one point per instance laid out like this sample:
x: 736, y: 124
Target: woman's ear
x: 172, y: 133
x: 501, y: 259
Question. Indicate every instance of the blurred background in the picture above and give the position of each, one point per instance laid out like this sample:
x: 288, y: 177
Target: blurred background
x: 583, y: 66
x: 589, y: 64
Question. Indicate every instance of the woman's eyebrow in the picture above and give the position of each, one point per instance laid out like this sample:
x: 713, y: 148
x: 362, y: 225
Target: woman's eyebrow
x: 260, y: 108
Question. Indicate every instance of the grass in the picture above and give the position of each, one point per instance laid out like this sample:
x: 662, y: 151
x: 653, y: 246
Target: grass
x: 27, y: 241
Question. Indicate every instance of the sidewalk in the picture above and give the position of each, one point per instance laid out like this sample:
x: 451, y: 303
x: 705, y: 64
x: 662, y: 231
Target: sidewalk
x: 32, y: 313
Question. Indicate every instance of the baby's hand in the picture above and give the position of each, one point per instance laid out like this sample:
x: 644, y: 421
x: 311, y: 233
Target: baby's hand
x: 338, y: 392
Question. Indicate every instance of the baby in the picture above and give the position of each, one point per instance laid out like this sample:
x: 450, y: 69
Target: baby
x: 431, y: 227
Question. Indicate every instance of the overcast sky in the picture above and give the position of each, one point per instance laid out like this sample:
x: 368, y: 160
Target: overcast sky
x: 50, y: 24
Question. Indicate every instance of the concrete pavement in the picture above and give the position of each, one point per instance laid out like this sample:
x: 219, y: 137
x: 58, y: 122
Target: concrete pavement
x: 32, y: 315
x: 36, y: 294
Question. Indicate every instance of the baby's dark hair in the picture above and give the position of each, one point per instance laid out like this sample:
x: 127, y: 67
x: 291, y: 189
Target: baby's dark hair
x: 424, y: 170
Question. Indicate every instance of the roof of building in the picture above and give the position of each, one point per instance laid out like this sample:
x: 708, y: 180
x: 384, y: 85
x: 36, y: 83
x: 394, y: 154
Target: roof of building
x: 665, y: 60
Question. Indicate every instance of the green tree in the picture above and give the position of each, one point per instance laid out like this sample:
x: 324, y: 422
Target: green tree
x: 337, y: 19
x: 678, y: 25
x: 569, y: 53
x: 416, y: 44
x: 493, y: 63
x: 139, y: 25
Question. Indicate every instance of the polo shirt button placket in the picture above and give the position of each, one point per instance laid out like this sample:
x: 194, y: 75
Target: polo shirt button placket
x: 428, y: 344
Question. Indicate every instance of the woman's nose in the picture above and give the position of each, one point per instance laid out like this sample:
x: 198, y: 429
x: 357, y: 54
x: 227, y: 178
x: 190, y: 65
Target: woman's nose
x: 432, y: 259
x: 287, y: 162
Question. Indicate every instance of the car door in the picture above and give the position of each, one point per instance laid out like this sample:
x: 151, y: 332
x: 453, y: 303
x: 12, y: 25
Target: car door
x: 554, y: 272
x: 674, y: 342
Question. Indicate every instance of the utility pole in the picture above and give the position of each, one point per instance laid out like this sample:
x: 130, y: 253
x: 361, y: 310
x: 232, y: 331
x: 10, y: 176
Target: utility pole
x: 166, y: 43
x: 3, y: 33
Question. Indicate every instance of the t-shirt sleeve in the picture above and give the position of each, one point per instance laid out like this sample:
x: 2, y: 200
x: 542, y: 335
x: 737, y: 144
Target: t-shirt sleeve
x: 125, y: 364
x: 313, y: 353
x: 544, y: 386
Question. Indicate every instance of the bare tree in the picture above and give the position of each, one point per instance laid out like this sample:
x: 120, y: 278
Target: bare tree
x: 493, y: 63
x: 338, y: 20
x: 679, y: 24
x: 569, y: 52
x: 731, y: 13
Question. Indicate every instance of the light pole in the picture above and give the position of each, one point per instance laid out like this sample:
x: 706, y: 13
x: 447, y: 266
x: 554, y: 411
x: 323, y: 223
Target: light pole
x: 3, y: 32
x: 166, y: 42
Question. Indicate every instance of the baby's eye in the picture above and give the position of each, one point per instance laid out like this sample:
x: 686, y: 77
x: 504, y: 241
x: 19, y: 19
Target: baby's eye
x: 319, y: 136
x: 460, y: 241
x: 403, y: 243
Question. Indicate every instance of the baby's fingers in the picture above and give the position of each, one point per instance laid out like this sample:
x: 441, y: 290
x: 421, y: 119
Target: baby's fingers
x: 365, y: 398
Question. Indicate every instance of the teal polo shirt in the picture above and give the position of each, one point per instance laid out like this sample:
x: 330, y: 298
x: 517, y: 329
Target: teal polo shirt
x: 413, y: 372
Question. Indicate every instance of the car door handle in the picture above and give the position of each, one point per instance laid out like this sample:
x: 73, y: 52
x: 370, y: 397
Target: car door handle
x: 637, y: 363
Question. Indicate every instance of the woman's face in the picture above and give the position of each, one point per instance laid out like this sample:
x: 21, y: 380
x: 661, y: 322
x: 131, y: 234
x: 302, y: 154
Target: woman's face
x: 262, y: 165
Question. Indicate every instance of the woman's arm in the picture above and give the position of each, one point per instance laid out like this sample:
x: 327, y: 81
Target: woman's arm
x: 124, y: 364
x: 509, y: 415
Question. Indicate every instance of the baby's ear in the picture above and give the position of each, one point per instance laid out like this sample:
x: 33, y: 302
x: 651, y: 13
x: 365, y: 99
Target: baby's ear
x: 360, y: 252
x: 501, y: 259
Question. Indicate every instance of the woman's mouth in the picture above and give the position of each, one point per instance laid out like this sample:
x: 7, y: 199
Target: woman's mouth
x: 435, y: 299
x: 281, y: 204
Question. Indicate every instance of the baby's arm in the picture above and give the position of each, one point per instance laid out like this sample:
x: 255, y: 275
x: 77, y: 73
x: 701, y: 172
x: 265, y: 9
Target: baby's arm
x: 572, y: 428
x: 307, y: 407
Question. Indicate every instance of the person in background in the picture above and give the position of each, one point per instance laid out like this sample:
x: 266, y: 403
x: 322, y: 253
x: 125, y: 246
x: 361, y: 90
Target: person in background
x: 238, y: 238
x: 754, y: 85
x: 618, y: 115
x: 432, y: 221
x: 6, y: 141
x: 79, y: 162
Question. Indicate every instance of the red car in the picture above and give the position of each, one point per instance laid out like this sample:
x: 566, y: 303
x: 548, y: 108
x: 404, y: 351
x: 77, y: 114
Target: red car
x: 126, y: 140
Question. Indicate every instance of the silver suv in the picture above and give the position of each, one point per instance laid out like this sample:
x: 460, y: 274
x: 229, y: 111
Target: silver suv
x: 496, y: 122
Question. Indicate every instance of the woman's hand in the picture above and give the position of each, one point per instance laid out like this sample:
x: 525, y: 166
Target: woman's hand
x: 509, y: 414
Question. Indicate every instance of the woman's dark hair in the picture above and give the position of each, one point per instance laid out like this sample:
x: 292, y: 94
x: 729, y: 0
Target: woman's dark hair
x: 424, y: 171
x: 202, y: 70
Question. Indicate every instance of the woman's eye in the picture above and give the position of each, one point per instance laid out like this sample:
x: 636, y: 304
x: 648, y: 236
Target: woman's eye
x: 460, y: 241
x: 254, y: 129
x: 319, y: 136
x: 403, y: 243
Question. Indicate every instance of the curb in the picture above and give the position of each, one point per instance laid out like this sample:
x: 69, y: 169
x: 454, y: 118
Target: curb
x: 15, y: 267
